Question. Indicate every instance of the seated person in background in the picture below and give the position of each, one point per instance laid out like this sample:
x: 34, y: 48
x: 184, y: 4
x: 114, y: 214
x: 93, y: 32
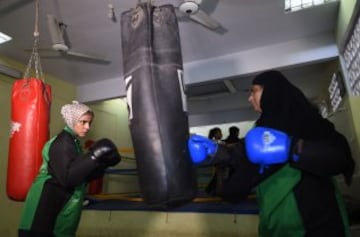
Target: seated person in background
x: 233, y: 137
x: 215, y: 184
x: 215, y: 134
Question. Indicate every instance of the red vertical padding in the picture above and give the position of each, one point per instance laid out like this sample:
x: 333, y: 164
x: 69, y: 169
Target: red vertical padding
x: 30, y: 117
x: 95, y: 186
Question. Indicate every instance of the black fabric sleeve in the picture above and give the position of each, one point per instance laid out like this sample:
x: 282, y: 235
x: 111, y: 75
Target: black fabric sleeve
x: 97, y: 172
x: 243, y: 175
x: 240, y: 181
x: 66, y: 165
x: 327, y: 157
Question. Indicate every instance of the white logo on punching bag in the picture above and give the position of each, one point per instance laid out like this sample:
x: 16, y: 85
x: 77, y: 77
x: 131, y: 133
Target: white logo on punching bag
x: 14, y: 127
x: 182, y: 91
x: 128, y: 85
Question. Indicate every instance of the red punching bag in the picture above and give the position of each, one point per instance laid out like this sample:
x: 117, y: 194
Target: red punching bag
x: 95, y: 186
x: 30, y: 115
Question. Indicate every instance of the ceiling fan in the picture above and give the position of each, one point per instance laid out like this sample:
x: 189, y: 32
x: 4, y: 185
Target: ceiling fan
x: 60, y: 44
x: 192, y: 9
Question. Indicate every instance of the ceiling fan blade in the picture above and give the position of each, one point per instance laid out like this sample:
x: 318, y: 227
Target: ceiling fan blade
x: 87, y: 57
x: 204, y: 19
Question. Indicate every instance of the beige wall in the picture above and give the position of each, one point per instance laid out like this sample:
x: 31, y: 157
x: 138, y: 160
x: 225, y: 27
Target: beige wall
x: 352, y: 103
x: 345, y: 12
x: 10, y: 210
x: 110, y: 121
x: 148, y: 224
x: 346, y: 121
x: 162, y: 224
x: 110, y: 124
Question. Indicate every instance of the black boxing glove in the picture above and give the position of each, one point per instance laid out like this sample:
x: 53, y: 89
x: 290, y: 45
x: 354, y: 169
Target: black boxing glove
x: 105, y: 152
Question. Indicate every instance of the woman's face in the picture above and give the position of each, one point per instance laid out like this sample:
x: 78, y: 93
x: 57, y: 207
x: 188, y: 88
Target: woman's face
x: 82, y: 127
x: 255, y: 96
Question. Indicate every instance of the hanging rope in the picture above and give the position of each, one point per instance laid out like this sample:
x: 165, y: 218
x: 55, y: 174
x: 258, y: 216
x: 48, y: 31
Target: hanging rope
x: 35, y: 50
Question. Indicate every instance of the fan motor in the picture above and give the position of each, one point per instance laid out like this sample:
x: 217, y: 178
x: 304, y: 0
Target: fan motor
x: 189, y: 8
x: 60, y: 47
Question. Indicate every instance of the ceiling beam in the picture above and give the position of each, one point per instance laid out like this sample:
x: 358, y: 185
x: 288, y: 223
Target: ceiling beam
x: 11, y: 72
x: 282, y: 55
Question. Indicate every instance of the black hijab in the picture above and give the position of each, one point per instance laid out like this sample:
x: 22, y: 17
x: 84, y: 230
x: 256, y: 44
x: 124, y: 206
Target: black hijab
x: 285, y: 108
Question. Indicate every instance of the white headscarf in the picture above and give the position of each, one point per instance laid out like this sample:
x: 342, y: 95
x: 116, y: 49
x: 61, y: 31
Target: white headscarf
x: 73, y: 112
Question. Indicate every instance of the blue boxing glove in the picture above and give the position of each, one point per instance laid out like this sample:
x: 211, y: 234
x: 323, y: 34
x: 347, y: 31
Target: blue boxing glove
x: 267, y: 146
x: 201, y: 147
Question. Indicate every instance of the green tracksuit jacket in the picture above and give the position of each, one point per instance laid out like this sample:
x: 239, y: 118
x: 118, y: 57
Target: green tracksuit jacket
x: 279, y: 206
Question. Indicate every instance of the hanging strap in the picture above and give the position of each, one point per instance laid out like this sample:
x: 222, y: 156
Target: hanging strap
x: 35, y: 50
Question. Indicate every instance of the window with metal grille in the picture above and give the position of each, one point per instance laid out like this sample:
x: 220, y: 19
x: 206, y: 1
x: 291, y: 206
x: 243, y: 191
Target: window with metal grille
x: 336, y: 91
x: 296, y: 5
x: 351, y: 59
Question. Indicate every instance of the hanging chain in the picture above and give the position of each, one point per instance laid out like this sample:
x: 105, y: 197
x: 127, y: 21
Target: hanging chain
x: 35, y: 50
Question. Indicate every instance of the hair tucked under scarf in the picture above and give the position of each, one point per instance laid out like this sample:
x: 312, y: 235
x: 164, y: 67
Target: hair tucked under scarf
x: 285, y: 107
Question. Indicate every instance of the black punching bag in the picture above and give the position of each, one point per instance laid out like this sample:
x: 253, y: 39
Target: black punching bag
x: 157, y: 105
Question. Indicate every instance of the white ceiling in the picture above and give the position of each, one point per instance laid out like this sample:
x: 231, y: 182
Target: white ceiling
x: 251, y: 26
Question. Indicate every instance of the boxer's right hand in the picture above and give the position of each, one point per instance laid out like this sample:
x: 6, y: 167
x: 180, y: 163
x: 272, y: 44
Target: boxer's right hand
x: 267, y: 146
x: 104, y: 151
